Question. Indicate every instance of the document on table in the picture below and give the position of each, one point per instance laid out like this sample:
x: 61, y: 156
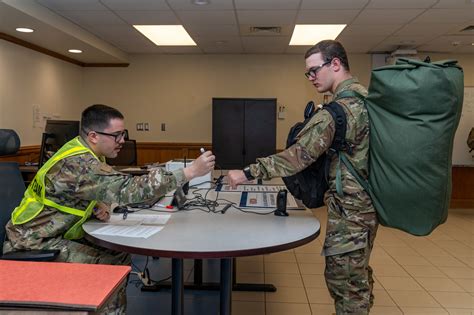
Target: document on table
x: 143, y: 231
x: 252, y: 188
x: 135, y: 225
x: 139, y: 218
x: 265, y: 200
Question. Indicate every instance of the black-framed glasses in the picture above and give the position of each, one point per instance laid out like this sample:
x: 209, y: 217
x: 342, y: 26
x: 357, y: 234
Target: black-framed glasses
x: 118, y: 136
x: 312, y: 72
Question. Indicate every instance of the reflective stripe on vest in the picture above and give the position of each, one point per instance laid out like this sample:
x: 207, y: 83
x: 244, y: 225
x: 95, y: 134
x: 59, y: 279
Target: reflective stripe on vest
x: 34, y: 199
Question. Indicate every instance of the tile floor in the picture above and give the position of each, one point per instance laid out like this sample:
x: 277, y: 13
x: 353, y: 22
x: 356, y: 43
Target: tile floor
x: 413, y: 275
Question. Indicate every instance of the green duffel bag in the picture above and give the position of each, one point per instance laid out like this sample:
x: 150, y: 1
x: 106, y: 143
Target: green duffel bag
x: 414, y: 109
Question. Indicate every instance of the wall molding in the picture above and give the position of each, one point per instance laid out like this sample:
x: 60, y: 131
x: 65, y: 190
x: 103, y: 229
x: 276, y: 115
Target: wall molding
x: 153, y: 152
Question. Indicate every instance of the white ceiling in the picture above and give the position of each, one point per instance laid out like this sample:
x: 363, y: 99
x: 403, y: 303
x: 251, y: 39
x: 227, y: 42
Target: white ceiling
x: 222, y: 27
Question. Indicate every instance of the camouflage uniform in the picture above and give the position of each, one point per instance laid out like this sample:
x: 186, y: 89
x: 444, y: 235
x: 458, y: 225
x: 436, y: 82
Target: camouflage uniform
x: 74, y: 182
x: 352, y: 222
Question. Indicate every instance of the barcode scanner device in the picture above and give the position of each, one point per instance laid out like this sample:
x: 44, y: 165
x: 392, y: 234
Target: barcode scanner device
x: 281, y: 203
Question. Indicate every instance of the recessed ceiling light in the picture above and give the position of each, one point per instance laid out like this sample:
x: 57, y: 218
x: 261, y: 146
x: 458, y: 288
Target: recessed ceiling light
x: 200, y: 2
x: 166, y: 35
x: 75, y: 51
x: 310, y: 34
x: 25, y: 30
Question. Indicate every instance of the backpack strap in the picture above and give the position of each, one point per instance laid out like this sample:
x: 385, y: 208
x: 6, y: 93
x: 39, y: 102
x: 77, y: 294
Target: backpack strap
x: 339, y: 143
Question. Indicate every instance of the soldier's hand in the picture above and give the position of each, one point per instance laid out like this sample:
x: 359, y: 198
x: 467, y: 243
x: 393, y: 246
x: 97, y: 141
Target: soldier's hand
x: 236, y: 177
x: 102, y: 211
x: 201, y: 166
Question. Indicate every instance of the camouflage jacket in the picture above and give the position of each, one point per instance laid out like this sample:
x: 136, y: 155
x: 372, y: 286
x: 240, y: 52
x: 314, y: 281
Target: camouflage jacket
x: 77, y: 180
x: 316, y: 138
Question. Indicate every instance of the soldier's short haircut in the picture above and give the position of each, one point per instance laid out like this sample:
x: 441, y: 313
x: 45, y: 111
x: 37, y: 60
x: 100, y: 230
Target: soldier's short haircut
x: 330, y: 49
x: 97, y: 117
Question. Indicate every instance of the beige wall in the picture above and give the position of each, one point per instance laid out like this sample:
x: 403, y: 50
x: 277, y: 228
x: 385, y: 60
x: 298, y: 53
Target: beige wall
x: 172, y: 89
x: 28, y: 77
x: 178, y: 90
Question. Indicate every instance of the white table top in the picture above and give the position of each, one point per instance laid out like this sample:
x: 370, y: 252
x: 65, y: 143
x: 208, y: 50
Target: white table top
x: 196, y: 234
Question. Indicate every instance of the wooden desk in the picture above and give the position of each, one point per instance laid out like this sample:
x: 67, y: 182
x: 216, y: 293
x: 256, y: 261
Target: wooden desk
x: 198, y: 235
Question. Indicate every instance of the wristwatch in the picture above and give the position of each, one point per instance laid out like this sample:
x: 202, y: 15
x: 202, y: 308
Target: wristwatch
x: 247, y: 173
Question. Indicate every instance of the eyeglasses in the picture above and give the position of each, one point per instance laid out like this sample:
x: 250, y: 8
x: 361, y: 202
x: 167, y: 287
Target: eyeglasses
x: 118, y: 136
x: 312, y: 72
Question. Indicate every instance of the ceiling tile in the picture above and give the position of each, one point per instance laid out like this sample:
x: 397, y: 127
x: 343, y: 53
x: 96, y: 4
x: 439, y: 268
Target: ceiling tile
x: 266, y: 4
x: 455, y: 4
x: 231, y: 44
x: 149, y: 17
x: 326, y: 16
x: 266, y: 17
x: 389, y: 16
x: 72, y: 4
x: 270, y: 45
x: 401, y: 4
x: 370, y: 30
x: 407, y: 42
x: 207, y: 17
x: 445, y: 16
x: 427, y: 29
x: 133, y: 49
x: 333, y: 4
x: 360, y: 44
x: 135, y: 4
x: 212, y: 30
x: 181, y: 49
x: 115, y: 32
x: 92, y: 17
x: 213, y: 5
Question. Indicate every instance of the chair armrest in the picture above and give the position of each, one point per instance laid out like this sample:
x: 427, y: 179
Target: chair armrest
x: 32, y: 255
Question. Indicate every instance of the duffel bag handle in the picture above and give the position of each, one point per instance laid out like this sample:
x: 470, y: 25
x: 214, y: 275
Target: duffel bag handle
x: 416, y: 62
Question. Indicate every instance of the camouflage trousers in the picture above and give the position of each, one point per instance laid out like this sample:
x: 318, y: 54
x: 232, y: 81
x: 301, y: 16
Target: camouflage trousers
x: 85, y: 252
x: 82, y: 251
x: 349, y: 240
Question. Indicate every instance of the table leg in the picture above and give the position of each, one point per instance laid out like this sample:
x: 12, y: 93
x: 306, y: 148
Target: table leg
x: 226, y: 286
x: 177, y: 288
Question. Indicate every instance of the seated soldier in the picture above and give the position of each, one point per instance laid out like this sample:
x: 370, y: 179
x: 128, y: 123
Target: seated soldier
x: 76, y: 183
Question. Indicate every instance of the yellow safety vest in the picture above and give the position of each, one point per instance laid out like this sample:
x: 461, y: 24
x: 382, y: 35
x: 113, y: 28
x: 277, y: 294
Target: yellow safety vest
x: 34, y: 199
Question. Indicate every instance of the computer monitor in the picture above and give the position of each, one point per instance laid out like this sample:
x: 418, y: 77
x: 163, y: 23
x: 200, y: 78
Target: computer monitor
x: 56, y: 134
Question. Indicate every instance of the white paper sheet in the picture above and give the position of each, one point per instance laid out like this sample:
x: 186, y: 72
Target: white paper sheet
x: 253, y: 188
x: 139, y: 218
x: 143, y: 231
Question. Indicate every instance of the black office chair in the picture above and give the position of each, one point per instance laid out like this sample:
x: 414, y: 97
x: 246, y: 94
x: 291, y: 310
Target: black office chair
x: 11, y: 193
x: 127, y: 156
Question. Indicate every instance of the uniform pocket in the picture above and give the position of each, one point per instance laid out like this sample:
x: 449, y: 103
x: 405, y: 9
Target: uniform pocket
x: 341, y: 242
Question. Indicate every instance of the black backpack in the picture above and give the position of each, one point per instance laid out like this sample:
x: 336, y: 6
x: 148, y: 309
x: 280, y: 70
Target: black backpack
x: 310, y: 184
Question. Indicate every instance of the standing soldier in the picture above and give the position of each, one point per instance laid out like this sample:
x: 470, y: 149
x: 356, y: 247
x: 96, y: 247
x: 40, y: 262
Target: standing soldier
x: 77, y: 183
x: 352, y: 222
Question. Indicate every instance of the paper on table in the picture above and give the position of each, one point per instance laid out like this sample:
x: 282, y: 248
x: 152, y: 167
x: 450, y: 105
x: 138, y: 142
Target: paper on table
x: 139, y: 218
x: 128, y: 231
x: 252, y: 188
x: 150, y: 219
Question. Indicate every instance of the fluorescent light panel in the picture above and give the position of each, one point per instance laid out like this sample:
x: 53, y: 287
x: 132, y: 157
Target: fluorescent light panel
x: 310, y: 34
x: 166, y: 35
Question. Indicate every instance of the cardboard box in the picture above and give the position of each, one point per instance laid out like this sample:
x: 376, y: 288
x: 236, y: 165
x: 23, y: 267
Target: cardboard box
x: 199, y: 182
